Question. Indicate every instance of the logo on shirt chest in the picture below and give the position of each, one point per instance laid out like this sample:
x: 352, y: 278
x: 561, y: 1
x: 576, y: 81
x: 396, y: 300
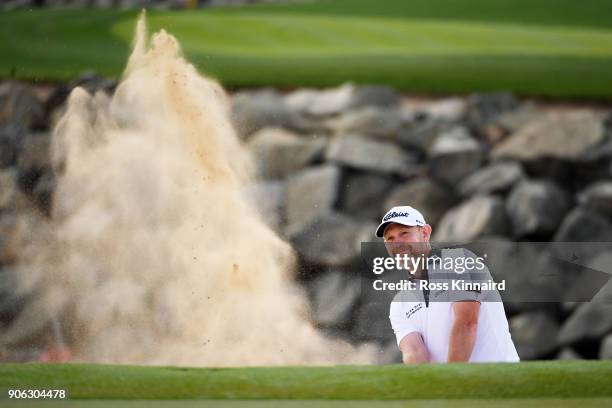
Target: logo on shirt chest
x: 413, y: 310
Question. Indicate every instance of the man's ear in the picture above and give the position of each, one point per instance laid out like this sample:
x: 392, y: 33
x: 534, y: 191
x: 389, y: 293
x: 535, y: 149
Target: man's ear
x: 426, y: 232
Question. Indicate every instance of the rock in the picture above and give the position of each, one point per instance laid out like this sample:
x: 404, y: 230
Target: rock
x: 334, y: 101
x: 525, y: 267
x: 447, y: 109
x: 453, y: 156
x: 591, y: 320
x: 361, y: 194
x: 536, y: 208
x: 534, y: 334
x: 497, y: 177
x: 602, y: 262
x: 370, y: 121
x: 485, y: 108
x: 10, y: 305
x: 363, y: 154
x: 370, y: 323
x: 34, y: 153
x: 375, y: 95
x: 42, y: 192
x: 12, y: 229
x: 269, y: 198
x: 279, y: 152
x: 11, y: 137
x: 254, y: 110
x: 310, y: 193
x: 595, y: 232
x: 331, y: 239
x: 20, y: 106
x: 389, y: 354
x: 581, y: 225
x: 421, y: 133
x: 605, y: 351
x: 598, y: 197
x: 513, y: 120
x: 568, y: 353
x: 508, y: 122
x: 88, y: 80
x: 425, y: 195
x: 334, y: 295
x: 567, y: 136
x: 477, y: 217
x: 8, y: 188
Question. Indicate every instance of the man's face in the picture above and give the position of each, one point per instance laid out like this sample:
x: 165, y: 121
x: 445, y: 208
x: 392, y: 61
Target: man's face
x: 410, y: 240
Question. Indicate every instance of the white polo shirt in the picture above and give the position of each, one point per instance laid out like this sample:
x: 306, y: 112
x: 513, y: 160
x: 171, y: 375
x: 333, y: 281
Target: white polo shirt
x: 433, y: 317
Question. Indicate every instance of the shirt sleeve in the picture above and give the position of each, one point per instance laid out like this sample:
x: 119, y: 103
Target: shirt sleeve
x: 473, y: 272
x: 401, y: 322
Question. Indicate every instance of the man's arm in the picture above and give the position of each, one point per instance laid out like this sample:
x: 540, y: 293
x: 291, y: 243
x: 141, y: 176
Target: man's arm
x: 463, y: 332
x: 413, y: 349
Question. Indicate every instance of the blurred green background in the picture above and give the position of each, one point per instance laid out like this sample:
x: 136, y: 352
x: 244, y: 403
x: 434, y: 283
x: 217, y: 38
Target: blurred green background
x: 549, y: 48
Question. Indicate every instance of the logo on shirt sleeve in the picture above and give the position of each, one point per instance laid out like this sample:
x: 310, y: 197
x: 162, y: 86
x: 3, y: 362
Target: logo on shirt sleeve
x: 413, y: 310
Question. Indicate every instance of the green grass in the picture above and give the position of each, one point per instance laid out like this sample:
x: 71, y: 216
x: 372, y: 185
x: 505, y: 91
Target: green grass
x: 549, y: 48
x: 553, y: 379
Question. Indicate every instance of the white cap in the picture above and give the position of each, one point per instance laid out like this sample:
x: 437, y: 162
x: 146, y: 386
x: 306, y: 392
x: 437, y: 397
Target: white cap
x: 404, y: 215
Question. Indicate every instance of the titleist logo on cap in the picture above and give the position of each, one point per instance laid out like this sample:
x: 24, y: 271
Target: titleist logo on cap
x: 395, y: 215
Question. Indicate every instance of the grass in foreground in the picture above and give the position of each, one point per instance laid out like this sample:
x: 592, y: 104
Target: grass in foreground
x: 548, y: 48
x: 530, y: 380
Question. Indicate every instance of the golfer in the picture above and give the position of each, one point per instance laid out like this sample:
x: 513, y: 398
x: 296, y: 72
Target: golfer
x: 442, y: 325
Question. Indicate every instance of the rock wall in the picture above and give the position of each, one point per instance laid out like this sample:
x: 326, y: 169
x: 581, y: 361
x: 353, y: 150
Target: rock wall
x: 330, y: 162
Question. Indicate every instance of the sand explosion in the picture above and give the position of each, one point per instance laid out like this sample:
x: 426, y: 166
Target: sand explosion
x: 154, y: 254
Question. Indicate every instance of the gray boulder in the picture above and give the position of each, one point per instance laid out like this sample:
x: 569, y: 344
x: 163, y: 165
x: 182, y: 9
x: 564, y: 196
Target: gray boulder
x: 279, y: 152
x: 19, y: 105
x: 425, y: 195
x: 254, y: 110
x: 12, y: 231
x: 591, y: 320
x: 362, y: 192
x: 567, y: 136
x: 8, y: 188
x: 486, y: 107
x: 332, y: 239
x: 311, y: 193
x: 420, y: 133
x: 389, y: 353
x: 515, y: 119
x: 534, y: 334
x: 568, y: 353
x: 605, y: 350
x: 581, y: 225
x: 34, y: 154
x: 497, y: 177
x: 11, y: 138
x: 269, y: 198
x: 334, y: 295
x: 42, y: 191
x: 370, y: 121
x: 361, y: 153
x: 372, y: 322
x: 334, y: 101
x: 454, y: 155
x: 536, y: 208
x: 446, y: 110
x: 477, y: 217
x: 598, y: 197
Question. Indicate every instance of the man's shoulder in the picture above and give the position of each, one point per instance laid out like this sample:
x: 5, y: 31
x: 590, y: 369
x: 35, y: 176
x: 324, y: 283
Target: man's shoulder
x: 406, y: 296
